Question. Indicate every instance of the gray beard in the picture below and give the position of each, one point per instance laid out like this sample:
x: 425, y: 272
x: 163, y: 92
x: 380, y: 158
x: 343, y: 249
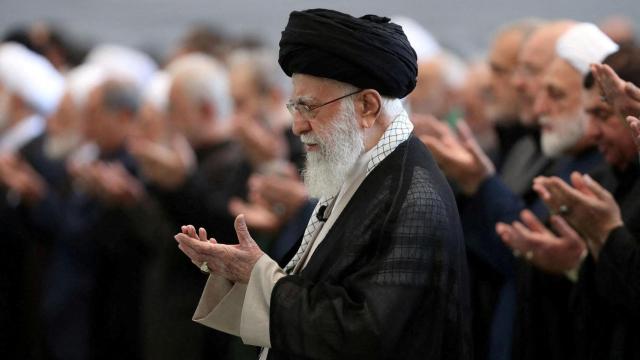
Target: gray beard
x: 327, y: 169
x: 565, y: 134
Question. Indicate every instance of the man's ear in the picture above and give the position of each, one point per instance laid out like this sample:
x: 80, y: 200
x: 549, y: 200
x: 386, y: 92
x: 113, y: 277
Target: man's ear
x: 368, y: 107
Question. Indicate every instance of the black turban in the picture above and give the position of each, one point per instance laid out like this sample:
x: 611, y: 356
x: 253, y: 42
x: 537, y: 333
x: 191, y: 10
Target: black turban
x: 368, y: 52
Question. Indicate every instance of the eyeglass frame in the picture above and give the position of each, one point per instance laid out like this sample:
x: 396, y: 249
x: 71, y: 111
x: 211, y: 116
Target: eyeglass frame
x: 308, y: 109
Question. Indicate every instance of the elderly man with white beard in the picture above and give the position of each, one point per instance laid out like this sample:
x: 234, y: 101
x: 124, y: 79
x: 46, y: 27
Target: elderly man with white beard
x: 380, y: 272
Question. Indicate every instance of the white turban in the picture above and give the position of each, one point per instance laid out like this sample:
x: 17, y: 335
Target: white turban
x: 30, y: 76
x: 82, y: 80
x: 584, y: 44
x: 421, y: 40
x: 124, y: 63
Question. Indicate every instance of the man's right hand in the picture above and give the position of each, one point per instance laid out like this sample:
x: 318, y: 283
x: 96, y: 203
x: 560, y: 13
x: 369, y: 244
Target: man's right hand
x: 622, y: 95
x: 460, y: 158
x: 634, y: 124
x: 166, y: 165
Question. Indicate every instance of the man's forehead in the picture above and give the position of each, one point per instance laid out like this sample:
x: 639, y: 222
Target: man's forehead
x: 309, y: 86
x: 562, y: 75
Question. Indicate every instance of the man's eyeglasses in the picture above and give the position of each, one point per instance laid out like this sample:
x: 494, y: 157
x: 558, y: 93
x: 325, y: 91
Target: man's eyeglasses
x: 306, y: 111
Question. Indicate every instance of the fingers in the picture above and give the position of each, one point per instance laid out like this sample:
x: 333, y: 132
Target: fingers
x: 532, y: 221
x: 202, y: 234
x: 562, y: 227
x: 632, y: 91
x: 578, y: 182
x: 542, y: 191
x: 596, y: 188
x: 634, y: 124
x: 189, y: 251
x: 189, y: 230
x: 505, y: 232
x: 429, y: 125
x: 202, y: 248
x: 244, y: 238
x: 237, y: 206
x: 563, y: 192
x: 469, y: 141
x: 437, y: 147
x: 512, y: 237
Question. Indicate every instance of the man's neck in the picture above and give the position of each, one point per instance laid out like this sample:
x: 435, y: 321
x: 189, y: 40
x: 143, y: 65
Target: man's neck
x: 373, y: 134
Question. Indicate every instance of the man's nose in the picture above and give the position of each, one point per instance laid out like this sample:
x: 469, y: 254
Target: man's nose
x: 540, y: 105
x: 300, y: 125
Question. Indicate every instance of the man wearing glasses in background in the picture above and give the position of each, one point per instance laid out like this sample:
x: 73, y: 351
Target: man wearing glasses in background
x: 380, y: 271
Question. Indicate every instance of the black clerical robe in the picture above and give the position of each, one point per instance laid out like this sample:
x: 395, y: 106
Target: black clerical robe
x: 389, y: 280
x: 606, y: 297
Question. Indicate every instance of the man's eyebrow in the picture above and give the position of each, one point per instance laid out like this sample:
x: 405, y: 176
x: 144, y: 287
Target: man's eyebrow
x: 302, y: 99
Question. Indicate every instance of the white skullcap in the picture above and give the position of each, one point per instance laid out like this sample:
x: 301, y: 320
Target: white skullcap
x: 82, y: 80
x: 30, y: 76
x: 421, y: 40
x: 157, y: 91
x: 124, y: 63
x: 584, y: 44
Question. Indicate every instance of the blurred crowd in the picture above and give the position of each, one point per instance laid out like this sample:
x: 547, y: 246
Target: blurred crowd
x: 105, y: 153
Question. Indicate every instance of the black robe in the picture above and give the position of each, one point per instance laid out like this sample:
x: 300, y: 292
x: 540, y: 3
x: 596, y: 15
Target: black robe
x: 606, y: 299
x: 389, y: 280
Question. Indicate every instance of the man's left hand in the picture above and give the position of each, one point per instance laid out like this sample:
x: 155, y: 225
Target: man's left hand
x: 233, y: 262
x: 587, y: 206
x: 539, y: 245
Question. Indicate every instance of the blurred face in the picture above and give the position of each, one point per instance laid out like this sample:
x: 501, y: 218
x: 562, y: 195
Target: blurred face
x: 429, y: 95
x: 106, y: 128
x: 611, y: 134
x: 560, y: 110
x: 64, y: 132
x: 331, y: 135
x: 537, y: 53
x: 504, y: 104
x: 474, y: 94
x: 246, y: 96
x: 183, y: 112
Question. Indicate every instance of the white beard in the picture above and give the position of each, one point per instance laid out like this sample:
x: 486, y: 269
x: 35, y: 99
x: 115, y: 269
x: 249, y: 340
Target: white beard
x: 565, y: 133
x: 338, y: 150
x: 57, y: 147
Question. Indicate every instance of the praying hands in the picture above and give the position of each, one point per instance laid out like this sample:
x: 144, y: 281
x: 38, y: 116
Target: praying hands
x: 459, y: 157
x: 587, y: 206
x: 233, y: 262
x: 542, y: 247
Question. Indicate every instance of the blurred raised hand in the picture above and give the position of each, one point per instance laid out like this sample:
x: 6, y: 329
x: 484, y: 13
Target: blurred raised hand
x: 622, y: 95
x: 273, y: 199
x: 18, y: 176
x: 587, y: 206
x: 552, y: 252
x: 164, y: 164
x: 634, y: 124
x: 458, y: 155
